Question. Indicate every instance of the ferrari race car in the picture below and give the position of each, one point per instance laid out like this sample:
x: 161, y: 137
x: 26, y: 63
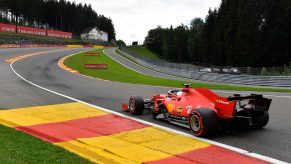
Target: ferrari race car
x: 203, y: 111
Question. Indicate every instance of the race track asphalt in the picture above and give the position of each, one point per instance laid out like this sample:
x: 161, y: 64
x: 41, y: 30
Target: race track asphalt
x: 273, y: 141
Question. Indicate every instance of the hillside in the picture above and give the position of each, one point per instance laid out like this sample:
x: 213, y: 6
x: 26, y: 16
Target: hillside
x: 144, y: 51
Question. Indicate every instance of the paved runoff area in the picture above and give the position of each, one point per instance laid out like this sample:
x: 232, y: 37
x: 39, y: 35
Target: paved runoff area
x: 103, y: 137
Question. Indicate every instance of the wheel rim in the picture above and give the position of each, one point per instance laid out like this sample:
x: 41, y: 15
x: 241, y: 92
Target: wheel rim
x: 131, y: 107
x: 195, y: 123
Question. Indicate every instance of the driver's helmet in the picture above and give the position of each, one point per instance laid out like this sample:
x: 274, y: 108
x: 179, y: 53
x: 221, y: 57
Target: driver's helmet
x: 180, y: 93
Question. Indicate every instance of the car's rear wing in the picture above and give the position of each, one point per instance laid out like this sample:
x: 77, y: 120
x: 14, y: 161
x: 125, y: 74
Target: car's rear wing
x: 238, y: 97
x: 258, y: 101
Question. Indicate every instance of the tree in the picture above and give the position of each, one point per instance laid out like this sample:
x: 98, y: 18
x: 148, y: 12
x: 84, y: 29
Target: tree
x: 243, y: 33
x: 120, y: 43
x: 181, y: 43
x: 168, y: 48
x: 154, y: 39
x: 195, y: 41
x: 275, y: 33
x: 209, y: 37
x: 54, y: 14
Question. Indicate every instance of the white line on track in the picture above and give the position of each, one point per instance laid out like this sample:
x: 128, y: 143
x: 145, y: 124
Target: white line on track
x: 241, y: 151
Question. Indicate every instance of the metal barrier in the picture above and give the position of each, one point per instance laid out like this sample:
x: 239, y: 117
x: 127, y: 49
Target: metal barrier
x: 195, y: 73
x: 261, y: 71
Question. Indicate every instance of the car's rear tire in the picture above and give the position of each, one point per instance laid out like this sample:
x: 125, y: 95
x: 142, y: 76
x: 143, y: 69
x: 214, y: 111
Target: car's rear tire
x: 136, y: 105
x: 261, y: 120
x: 203, y: 122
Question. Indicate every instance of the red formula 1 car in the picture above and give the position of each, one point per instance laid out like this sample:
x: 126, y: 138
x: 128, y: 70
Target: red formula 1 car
x: 203, y: 111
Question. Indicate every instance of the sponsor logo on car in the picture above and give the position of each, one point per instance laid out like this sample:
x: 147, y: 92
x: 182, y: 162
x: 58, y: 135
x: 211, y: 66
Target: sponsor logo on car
x: 170, y: 107
x: 189, y: 109
x: 222, y: 102
x: 179, y: 110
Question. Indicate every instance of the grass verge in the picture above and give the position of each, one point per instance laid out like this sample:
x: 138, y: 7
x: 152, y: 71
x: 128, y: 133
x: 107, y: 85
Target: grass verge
x: 17, y: 147
x: 144, y: 51
x: 119, y: 73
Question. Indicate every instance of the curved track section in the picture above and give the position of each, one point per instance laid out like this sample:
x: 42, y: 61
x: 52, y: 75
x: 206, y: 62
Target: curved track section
x: 273, y: 141
x: 14, y: 92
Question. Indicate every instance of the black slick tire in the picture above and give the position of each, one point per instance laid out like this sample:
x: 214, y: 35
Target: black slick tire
x: 203, y: 122
x: 136, y: 105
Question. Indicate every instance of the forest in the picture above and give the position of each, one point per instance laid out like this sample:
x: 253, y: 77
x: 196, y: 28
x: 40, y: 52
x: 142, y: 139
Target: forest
x: 245, y: 33
x: 54, y: 14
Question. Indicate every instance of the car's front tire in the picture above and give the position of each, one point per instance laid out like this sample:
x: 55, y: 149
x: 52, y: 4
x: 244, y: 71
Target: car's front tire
x: 203, y: 122
x: 136, y: 105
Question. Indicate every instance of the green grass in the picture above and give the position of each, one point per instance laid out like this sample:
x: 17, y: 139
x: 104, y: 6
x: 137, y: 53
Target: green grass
x: 117, y: 51
x: 144, y: 51
x: 119, y: 73
x: 17, y: 147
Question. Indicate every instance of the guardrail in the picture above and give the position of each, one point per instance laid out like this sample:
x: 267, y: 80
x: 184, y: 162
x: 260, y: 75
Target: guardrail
x: 261, y: 71
x: 272, y: 81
